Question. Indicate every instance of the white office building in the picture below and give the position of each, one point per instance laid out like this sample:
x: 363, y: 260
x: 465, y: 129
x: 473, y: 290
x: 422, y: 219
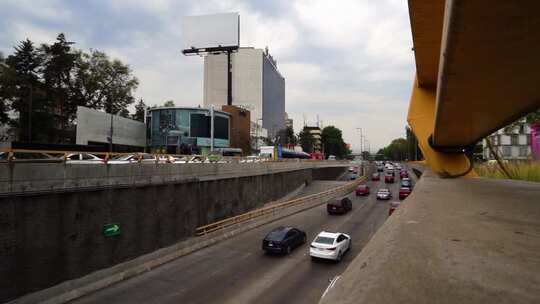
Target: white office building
x: 257, y: 85
x: 510, y: 143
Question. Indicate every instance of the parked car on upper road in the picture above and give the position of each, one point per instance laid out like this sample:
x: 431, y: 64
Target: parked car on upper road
x: 388, y: 178
x: 283, y: 240
x: 136, y: 157
x: 328, y: 245
x: 362, y: 190
x: 375, y: 177
x: 384, y: 194
x: 339, y: 206
x: 82, y: 158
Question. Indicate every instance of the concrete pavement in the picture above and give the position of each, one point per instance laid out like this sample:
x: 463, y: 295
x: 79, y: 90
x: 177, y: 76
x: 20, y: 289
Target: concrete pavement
x: 237, y: 271
x: 467, y: 240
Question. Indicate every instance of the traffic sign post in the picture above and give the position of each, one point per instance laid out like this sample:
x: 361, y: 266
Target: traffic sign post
x: 111, y: 229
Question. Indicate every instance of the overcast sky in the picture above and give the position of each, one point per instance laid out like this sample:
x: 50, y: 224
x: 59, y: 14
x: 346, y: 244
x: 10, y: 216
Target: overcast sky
x: 349, y: 61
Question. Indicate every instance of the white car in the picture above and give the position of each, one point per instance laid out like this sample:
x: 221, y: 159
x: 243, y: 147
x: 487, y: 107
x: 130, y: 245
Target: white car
x: 135, y: 158
x: 82, y: 158
x: 330, y: 245
x: 384, y: 194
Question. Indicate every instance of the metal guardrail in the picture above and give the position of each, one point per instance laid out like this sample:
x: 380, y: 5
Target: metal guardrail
x: 200, y: 231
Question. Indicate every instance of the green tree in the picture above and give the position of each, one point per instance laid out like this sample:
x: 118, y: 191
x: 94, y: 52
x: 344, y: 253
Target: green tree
x: 533, y: 117
x: 333, y: 143
x: 59, y: 64
x: 396, y: 150
x: 306, y: 140
x: 169, y: 103
x: 105, y: 84
x: 44, y: 86
x: 140, y: 108
x: 21, y: 87
x: 4, y: 104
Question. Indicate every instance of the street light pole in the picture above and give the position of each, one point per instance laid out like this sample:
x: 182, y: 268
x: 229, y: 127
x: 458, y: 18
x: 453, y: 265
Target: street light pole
x: 361, y: 143
x: 212, y: 128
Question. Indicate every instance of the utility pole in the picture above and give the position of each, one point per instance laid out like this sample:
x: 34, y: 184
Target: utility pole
x: 229, y: 79
x: 212, y: 128
x: 30, y: 106
x: 361, y: 143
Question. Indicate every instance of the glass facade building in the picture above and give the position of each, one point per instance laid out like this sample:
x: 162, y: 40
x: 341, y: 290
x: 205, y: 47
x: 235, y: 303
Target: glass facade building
x: 186, y: 130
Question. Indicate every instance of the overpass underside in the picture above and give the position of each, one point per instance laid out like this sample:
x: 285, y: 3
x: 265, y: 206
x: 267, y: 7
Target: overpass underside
x: 477, y: 71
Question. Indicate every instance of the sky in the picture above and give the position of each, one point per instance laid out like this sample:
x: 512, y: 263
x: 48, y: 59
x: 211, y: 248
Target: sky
x: 349, y: 62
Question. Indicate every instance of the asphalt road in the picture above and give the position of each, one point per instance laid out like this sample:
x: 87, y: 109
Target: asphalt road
x: 237, y: 270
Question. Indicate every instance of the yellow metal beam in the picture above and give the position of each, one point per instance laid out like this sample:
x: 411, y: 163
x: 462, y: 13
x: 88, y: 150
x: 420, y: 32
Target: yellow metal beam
x: 426, y: 18
x: 421, y: 118
x: 489, y: 68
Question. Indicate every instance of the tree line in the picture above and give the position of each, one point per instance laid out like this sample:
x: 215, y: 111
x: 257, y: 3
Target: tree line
x: 43, y: 85
x: 401, y: 149
x: 331, y: 140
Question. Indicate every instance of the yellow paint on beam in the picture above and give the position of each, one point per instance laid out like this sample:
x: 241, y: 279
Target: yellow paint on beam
x: 421, y: 118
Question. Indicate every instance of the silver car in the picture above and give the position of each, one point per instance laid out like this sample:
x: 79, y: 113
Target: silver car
x: 83, y: 158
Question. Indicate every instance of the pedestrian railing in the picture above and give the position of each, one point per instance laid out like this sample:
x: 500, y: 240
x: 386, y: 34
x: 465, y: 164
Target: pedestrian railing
x: 26, y: 155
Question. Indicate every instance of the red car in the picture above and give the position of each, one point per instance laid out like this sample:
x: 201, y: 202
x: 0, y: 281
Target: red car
x: 404, y: 192
x: 403, y: 174
x: 388, y: 178
x: 375, y: 177
x: 362, y: 190
x: 393, y: 207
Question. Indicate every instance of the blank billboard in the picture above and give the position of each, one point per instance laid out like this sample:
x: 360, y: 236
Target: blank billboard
x: 211, y: 31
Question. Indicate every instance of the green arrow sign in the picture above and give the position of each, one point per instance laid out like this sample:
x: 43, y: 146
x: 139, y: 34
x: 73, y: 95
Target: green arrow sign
x: 111, y: 229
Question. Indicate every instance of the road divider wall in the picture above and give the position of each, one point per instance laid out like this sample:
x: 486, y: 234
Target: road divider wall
x: 48, y: 237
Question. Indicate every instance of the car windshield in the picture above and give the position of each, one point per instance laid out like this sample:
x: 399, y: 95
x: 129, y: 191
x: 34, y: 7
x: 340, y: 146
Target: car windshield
x: 324, y: 240
x: 277, y: 235
x: 123, y: 157
x: 405, y: 189
x: 384, y: 191
x: 362, y: 187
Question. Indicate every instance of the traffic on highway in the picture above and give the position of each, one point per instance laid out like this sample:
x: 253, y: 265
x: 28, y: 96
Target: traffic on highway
x: 292, y: 260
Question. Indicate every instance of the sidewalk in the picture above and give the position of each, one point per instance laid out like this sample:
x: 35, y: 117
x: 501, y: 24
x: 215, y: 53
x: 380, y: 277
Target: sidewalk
x: 467, y: 240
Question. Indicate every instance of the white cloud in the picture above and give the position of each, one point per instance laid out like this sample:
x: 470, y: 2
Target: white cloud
x: 22, y: 30
x: 348, y: 61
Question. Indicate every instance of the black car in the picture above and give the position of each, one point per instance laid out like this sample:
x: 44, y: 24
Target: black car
x: 283, y: 240
x: 339, y: 206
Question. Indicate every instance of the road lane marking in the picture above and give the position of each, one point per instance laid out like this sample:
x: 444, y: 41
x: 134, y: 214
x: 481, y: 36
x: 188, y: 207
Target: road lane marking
x: 331, y: 285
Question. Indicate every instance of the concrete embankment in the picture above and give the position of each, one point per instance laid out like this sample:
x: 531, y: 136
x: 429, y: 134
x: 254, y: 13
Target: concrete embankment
x: 466, y: 240
x: 62, y: 222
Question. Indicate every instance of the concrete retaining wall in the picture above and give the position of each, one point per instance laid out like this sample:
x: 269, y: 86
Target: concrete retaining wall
x: 47, y: 237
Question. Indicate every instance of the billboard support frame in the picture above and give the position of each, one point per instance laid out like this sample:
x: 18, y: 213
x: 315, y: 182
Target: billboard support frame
x: 216, y: 50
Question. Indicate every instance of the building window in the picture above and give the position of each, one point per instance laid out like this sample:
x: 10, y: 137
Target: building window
x: 514, y: 140
x: 523, y: 151
x: 506, y: 151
